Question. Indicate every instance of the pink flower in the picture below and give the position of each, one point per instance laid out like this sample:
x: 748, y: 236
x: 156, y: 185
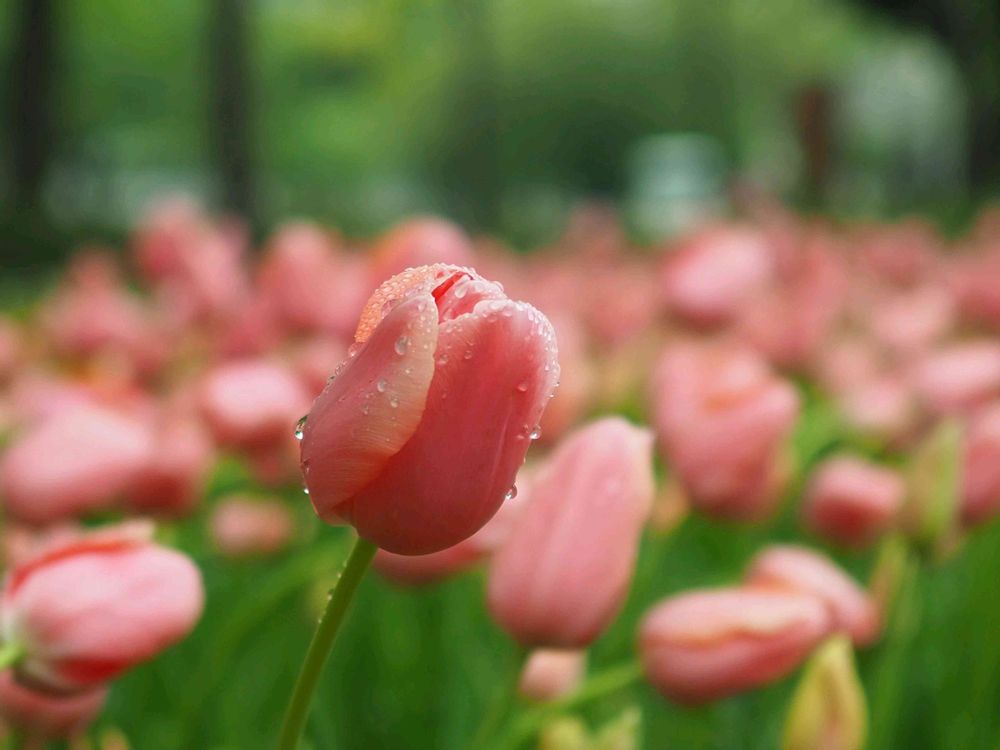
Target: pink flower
x: 709, y: 644
x: 956, y: 379
x: 981, y: 466
x: 73, y: 463
x: 86, y: 610
x: 723, y: 421
x: 418, y: 438
x: 243, y: 526
x: 174, y: 478
x: 562, y: 575
x: 793, y: 568
x: 46, y: 716
x: 252, y: 403
x: 421, y: 241
x: 853, y: 501
x: 549, y: 674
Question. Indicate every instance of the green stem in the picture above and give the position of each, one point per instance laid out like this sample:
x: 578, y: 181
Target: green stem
x: 319, y: 648
x: 609, y: 681
x: 502, y: 704
x: 10, y: 654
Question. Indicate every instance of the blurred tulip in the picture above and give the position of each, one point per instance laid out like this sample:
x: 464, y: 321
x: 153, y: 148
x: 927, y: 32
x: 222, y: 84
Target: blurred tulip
x: 981, y: 467
x: 421, y: 241
x: 173, y: 479
x: 884, y: 408
x: 712, y: 275
x: 799, y: 569
x: 418, y: 438
x: 74, y: 463
x: 933, y: 486
x: 576, y: 382
x: 252, y: 403
x: 315, y: 359
x: 852, y: 501
x: 562, y: 575
x: 705, y: 645
x: 828, y: 709
x: 245, y: 526
x: 47, y: 716
x: 549, y: 674
x: 723, y: 421
x: 960, y: 377
x: 910, y: 322
x: 88, y: 609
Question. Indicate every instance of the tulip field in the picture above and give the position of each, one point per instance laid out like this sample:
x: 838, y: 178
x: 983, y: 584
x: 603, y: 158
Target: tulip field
x: 422, y: 490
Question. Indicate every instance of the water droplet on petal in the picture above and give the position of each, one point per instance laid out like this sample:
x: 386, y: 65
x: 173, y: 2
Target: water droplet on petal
x: 402, y: 344
x: 381, y: 385
x: 299, y: 426
x: 511, y: 493
x: 305, y: 490
x: 393, y: 402
x: 522, y: 387
x: 535, y: 433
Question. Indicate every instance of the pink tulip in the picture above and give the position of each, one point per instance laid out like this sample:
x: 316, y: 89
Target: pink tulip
x: 252, y: 403
x: 883, y: 407
x: 705, y: 645
x: 87, y: 610
x: 576, y: 384
x: 46, y: 716
x: 798, y: 569
x: 421, y: 241
x: 981, y: 467
x: 163, y: 236
x: 853, y: 501
x: 315, y: 358
x: 244, y: 526
x: 174, y: 478
x: 912, y: 321
x: 956, y: 379
x: 723, y: 421
x: 562, y: 575
x: 975, y: 282
x: 715, y: 273
x: 549, y: 674
x: 73, y: 463
x: 418, y: 438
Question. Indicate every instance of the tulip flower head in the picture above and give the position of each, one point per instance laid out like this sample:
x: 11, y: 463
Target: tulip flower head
x: 417, y: 439
x: 83, y: 611
x: 549, y: 674
x: 47, y: 716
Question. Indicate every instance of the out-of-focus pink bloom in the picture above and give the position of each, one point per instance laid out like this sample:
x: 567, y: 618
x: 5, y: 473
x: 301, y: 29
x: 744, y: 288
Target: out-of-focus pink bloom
x: 302, y: 281
x: 631, y: 300
x: 87, y: 610
x: 913, y: 320
x: 247, y: 330
x: 421, y: 241
x: 252, y: 403
x: 975, y: 282
x: 418, y: 438
x: 956, y: 379
x: 315, y: 359
x: 793, y: 568
x: 563, y: 573
x: 243, y: 526
x: 712, y: 275
x: 883, y: 407
x: 709, y: 644
x: 723, y: 420
x: 576, y: 381
x: 173, y: 480
x: 163, y: 236
x: 981, y: 467
x: 72, y: 464
x: 549, y: 674
x: 847, y: 362
x: 46, y: 716
x: 903, y: 254
x: 852, y: 501
x: 420, y: 570
x: 22, y: 542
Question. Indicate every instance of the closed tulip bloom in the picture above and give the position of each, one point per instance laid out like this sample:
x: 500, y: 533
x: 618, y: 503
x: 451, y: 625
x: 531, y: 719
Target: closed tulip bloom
x: 421, y: 241
x: 173, y: 480
x: 47, y: 716
x: 418, y: 438
x: 793, y: 568
x: 981, y: 467
x: 549, y: 674
x: 85, y: 610
x: 252, y: 403
x: 957, y: 379
x: 563, y: 573
x: 244, y: 526
x: 853, y: 501
x: 709, y: 644
x: 723, y: 420
x: 73, y: 463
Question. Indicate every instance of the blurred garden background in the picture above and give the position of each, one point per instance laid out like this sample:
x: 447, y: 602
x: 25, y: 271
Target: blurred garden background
x: 499, y: 114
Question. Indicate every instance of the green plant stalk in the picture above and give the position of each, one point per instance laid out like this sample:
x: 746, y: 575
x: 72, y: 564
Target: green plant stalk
x: 319, y: 648
x: 502, y: 704
x: 10, y: 654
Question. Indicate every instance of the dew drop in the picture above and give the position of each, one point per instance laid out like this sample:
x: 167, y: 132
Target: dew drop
x: 381, y: 385
x: 299, y: 426
x: 402, y: 344
x: 468, y: 355
x: 535, y: 433
x: 522, y: 387
x: 511, y: 493
x: 393, y: 402
x: 305, y: 490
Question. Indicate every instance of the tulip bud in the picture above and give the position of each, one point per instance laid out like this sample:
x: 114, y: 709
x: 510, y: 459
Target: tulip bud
x: 565, y: 733
x: 85, y: 610
x: 793, y: 568
x: 960, y: 377
x: 418, y: 437
x: 705, y: 645
x: 563, y: 573
x: 852, y: 501
x: 929, y: 512
x: 549, y: 674
x: 888, y: 574
x: 243, y: 526
x: 47, y: 716
x: 828, y: 709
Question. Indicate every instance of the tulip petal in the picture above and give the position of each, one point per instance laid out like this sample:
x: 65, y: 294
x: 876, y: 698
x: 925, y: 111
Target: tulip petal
x: 496, y: 368
x: 372, y: 407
